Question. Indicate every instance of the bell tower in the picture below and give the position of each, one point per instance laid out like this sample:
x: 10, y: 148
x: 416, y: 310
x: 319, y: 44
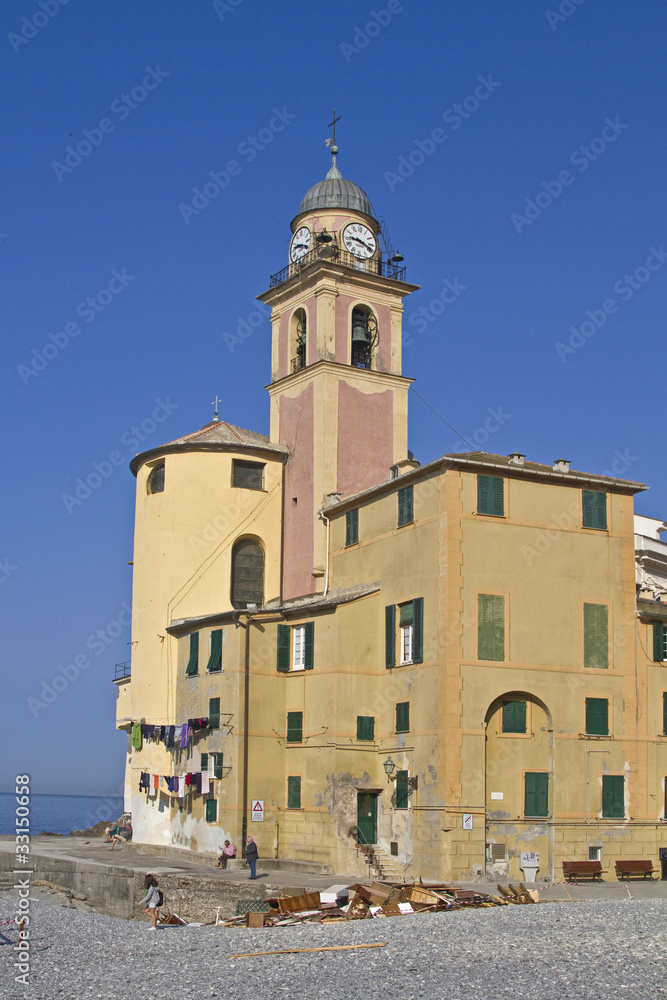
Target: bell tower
x: 338, y: 399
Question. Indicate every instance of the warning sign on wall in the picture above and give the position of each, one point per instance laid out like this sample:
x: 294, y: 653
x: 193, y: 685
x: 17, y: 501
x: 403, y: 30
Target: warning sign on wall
x: 257, y: 811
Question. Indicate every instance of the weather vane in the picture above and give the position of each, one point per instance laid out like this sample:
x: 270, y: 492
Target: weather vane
x: 215, y: 402
x: 332, y: 142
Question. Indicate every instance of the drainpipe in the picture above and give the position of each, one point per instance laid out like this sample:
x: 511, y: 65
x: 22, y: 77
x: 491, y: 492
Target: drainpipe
x: 326, y: 571
x: 246, y: 734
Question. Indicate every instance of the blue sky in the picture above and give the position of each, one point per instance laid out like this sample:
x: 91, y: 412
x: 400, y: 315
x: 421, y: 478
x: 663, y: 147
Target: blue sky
x: 517, y: 154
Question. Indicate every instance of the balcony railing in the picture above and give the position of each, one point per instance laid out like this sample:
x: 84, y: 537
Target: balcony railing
x: 332, y: 254
x: 298, y: 362
x: 122, y: 670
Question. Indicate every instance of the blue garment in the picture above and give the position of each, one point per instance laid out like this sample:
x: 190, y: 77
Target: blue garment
x: 253, y: 866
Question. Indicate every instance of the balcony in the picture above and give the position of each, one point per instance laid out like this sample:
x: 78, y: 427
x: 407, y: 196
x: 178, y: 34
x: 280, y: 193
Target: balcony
x: 122, y: 671
x: 330, y: 253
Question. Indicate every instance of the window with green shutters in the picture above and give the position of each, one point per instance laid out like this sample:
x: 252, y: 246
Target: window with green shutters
x: 215, y: 658
x: 365, y: 727
x: 193, y: 661
x: 491, y: 495
x: 594, y: 509
x: 294, y: 792
x: 659, y: 642
x: 203, y: 762
x: 490, y: 627
x: 296, y: 647
x: 613, y: 796
x: 597, y: 717
x: 402, y: 788
x: 410, y: 632
x: 536, y: 794
x: 403, y: 717
x: 214, y: 713
x: 352, y: 527
x: 294, y: 727
x: 596, y: 636
x: 405, y: 505
x: 514, y: 717
x: 211, y: 810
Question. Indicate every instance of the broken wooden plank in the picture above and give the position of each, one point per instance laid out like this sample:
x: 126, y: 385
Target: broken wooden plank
x: 294, y: 951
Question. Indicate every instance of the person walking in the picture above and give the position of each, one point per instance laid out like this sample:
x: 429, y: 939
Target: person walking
x: 251, y: 855
x: 153, y: 900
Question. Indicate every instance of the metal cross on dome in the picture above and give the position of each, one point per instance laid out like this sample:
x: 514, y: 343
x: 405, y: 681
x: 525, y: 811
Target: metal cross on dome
x: 332, y: 142
x: 215, y: 403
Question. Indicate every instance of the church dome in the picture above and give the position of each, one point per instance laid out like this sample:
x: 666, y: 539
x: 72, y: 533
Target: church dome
x: 335, y: 192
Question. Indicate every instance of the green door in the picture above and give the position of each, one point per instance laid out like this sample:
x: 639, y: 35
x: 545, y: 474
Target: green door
x: 367, y: 817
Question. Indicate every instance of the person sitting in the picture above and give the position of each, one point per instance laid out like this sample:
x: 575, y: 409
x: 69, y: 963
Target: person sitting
x: 122, y: 835
x: 228, y: 851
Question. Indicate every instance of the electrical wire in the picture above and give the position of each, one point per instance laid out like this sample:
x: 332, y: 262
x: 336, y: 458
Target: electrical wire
x: 440, y: 417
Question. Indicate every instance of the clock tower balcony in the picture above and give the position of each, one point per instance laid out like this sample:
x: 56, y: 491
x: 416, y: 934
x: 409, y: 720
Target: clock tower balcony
x: 383, y: 267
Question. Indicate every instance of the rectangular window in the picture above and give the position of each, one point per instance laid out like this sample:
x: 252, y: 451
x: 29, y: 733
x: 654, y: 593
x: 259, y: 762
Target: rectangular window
x: 296, y: 647
x: 406, y: 629
x: 216, y: 761
x: 203, y: 762
x: 594, y: 853
x: 490, y: 627
x: 247, y: 475
x: 490, y: 495
x: 352, y: 527
x: 594, y: 509
x: 597, y: 717
x: 514, y: 717
x: 403, y: 717
x: 410, y: 632
x: 211, y: 810
x: 294, y: 792
x: 215, y: 657
x: 294, y: 727
x: 536, y: 798
x: 365, y: 727
x: 193, y: 661
x: 659, y: 642
x: 405, y: 505
x: 613, y: 796
x: 402, y: 788
x: 214, y: 713
x: 596, y: 636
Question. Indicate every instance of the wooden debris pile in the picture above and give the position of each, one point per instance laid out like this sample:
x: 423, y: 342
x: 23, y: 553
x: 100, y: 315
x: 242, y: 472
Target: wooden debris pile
x: 380, y: 899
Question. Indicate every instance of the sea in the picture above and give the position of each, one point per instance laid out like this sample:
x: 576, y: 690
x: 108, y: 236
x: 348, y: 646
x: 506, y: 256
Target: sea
x: 60, y: 813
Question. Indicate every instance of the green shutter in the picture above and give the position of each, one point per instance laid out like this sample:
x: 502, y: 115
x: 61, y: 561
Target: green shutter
x: 491, y: 495
x: 418, y: 630
x: 664, y: 714
x: 658, y: 642
x: 597, y: 716
x: 352, y: 527
x: 294, y: 727
x: 596, y: 636
x: 403, y: 717
x: 293, y: 792
x: 536, y: 798
x: 613, y: 796
x: 214, y: 713
x: 217, y: 765
x: 490, y: 627
x: 402, y: 790
x: 405, y: 505
x: 211, y: 810
x: 203, y: 762
x: 594, y: 509
x: 284, y: 635
x: 215, y: 659
x: 193, y: 663
x: 309, y: 645
x: 514, y: 717
x: 390, y: 636
x: 365, y: 727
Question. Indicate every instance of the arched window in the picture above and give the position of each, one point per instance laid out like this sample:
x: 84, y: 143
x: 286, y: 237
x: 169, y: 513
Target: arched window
x: 364, y: 337
x: 298, y: 340
x: 155, y: 481
x: 247, y: 574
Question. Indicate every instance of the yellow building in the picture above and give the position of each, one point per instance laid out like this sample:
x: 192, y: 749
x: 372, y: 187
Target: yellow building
x: 337, y: 649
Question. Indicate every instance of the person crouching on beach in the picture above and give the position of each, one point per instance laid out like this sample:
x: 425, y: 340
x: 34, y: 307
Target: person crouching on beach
x: 153, y: 900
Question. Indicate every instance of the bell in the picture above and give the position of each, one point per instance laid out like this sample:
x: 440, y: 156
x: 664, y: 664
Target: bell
x: 397, y: 258
x: 359, y: 331
x: 324, y: 237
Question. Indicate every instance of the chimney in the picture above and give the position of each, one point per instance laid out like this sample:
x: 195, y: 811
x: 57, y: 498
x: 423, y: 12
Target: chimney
x: 562, y: 465
x: 516, y: 458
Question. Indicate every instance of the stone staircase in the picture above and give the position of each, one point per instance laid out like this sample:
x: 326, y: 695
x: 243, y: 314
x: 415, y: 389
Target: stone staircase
x: 383, y: 865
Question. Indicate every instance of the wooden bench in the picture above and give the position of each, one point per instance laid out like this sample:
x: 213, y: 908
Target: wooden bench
x: 581, y: 869
x: 624, y: 869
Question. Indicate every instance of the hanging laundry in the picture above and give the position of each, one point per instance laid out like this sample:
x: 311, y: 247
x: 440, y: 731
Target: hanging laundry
x: 188, y: 780
x: 184, y: 737
x: 143, y: 780
x: 181, y: 786
x: 152, y: 790
x: 136, y: 736
x: 169, y: 736
x: 204, y: 783
x: 197, y: 781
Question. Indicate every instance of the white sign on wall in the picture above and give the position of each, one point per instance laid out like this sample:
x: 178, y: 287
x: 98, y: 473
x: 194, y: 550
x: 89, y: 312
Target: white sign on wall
x: 496, y: 795
x: 467, y: 821
x: 257, y: 811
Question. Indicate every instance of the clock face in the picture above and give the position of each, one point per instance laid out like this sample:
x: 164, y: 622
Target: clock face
x: 300, y: 244
x: 359, y: 240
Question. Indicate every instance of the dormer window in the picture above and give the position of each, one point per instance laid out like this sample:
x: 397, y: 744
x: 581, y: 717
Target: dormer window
x: 155, y: 481
x: 364, y: 337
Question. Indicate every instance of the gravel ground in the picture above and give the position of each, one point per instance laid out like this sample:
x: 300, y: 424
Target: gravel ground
x: 595, y: 950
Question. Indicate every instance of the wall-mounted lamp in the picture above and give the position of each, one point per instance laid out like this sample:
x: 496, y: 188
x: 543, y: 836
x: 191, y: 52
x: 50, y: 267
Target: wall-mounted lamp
x: 389, y: 768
